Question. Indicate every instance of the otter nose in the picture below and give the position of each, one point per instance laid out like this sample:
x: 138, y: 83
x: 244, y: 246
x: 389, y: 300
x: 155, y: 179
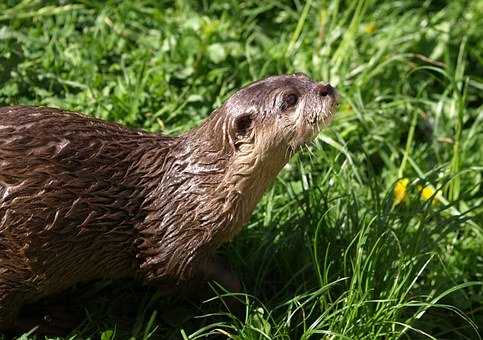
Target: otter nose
x: 325, y: 90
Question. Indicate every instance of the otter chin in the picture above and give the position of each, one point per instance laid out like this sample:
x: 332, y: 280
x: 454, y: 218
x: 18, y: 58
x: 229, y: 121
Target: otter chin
x: 82, y: 199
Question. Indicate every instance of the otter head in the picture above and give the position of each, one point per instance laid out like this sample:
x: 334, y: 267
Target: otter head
x: 278, y: 114
x: 257, y: 130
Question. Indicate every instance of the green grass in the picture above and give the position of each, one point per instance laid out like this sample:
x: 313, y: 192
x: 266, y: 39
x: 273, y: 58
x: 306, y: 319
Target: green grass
x: 327, y: 254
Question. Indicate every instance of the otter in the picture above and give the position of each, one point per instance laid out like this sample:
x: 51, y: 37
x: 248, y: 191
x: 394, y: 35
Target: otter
x: 82, y: 199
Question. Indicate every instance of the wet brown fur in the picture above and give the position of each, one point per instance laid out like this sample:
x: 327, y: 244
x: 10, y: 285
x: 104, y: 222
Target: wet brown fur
x: 82, y: 199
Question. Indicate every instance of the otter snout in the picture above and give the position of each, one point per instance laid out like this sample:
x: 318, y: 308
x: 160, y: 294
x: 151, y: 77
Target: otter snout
x: 328, y: 96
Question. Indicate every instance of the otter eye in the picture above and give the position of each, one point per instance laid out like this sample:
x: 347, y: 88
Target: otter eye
x: 289, y: 101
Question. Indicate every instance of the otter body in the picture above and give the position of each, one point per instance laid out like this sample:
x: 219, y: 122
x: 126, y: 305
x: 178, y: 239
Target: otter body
x: 82, y: 199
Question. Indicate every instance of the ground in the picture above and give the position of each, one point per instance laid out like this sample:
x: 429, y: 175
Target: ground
x: 373, y: 232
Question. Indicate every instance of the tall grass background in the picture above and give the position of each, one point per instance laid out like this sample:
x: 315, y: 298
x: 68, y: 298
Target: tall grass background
x: 343, y: 245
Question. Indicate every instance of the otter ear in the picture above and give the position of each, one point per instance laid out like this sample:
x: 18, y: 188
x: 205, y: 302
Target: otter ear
x: 243, y: 123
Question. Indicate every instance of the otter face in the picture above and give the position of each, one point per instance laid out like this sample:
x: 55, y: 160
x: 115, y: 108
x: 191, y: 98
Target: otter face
x: 284, y: 111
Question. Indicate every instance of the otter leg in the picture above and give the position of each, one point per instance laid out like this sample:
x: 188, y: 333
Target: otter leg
x: 7, y: 319
x: 15, y: 291
x: 50, y: 320
x: 10, y: 303
x: 209, y: 269
x: 215, y: 269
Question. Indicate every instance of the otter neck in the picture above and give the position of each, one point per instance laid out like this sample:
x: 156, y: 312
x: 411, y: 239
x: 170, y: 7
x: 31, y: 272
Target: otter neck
x: 248, y: 174
x: 243, y: 187
x: 231, y: 179
x: 205, y: 192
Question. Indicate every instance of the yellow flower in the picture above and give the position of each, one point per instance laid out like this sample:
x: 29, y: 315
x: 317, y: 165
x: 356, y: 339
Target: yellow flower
x: 370, y: 28
x: 400, y: 190
x: 427, y: 193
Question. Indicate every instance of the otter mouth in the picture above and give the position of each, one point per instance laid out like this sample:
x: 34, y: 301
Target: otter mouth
x: 315, y: 115
x: 329, y: 99
x: 325, y: 116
